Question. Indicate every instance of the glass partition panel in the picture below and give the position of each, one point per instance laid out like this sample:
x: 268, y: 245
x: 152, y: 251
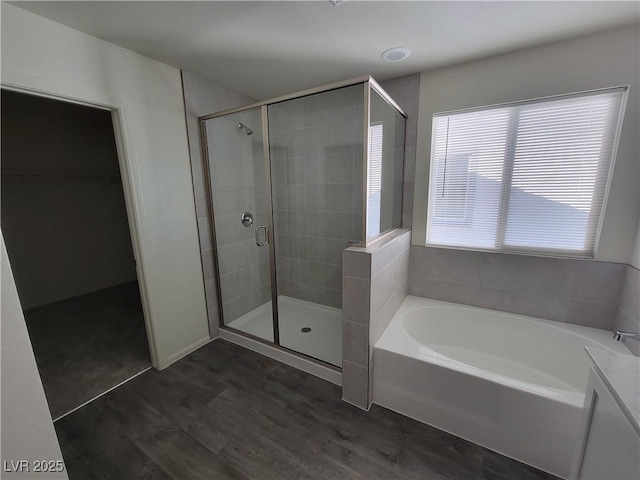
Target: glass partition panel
x: 316, y: 173
x: 386, y: 161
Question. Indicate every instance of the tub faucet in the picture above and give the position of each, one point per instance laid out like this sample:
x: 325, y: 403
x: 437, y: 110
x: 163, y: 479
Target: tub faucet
x: 621, y: 336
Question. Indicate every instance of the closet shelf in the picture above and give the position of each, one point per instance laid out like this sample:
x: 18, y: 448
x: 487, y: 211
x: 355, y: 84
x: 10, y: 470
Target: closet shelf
x: 67, y: 175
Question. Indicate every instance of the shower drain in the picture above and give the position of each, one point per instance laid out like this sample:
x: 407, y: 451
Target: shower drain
x: 305, y: 329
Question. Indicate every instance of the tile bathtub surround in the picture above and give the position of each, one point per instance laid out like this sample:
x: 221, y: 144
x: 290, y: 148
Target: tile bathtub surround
x: 628, y: 318
x: 375, y: 282
x: 567, y: 290
x: 389, y: 281
x: 389, y: 287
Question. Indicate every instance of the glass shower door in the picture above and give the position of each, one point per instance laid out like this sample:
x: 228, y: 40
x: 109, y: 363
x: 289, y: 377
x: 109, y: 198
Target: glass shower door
x: 240, y: 200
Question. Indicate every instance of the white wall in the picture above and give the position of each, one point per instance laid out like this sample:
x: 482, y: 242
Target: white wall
x: 27, y: 429
x: 64, y: 218
x: 603, y: 60
x: 41, y: 55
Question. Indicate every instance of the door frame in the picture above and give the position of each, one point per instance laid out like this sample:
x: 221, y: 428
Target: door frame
x: 130, y: 177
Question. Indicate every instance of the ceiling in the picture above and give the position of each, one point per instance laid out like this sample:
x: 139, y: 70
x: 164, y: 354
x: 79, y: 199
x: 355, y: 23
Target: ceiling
x: 264, y: 49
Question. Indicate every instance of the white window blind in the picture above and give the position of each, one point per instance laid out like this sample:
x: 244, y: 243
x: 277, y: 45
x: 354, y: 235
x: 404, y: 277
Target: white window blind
x: 524, y: 177
x: 374, y: 183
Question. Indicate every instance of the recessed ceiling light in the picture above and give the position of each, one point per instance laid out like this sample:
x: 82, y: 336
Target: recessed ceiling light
x: 395, y: 54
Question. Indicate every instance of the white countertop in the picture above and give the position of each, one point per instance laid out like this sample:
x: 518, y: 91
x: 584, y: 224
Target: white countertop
x: 621, y: 374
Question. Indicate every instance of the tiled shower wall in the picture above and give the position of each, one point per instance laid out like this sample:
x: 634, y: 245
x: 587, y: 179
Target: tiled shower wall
x: 316, y: 162
x: 629, y: 307
x: 201, y: 98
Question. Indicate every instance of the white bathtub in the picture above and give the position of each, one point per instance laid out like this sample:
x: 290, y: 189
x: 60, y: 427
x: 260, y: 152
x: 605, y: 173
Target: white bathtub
x: 511, y: 383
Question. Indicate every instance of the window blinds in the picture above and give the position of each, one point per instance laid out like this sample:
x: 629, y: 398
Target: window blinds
x: 374, y: 183
x: 525, y: 177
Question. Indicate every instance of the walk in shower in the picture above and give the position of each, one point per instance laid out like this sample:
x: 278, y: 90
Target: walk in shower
x: 292, y: 183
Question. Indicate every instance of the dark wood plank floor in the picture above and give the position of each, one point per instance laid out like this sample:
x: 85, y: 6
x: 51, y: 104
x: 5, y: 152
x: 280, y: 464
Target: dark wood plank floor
x: 225, y: 412
x: 87, y: 344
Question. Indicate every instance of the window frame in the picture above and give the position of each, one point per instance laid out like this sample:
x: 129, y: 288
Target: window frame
x: 507, y: 176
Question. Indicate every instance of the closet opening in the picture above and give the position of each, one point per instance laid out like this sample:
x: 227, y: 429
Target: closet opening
x: 67, y: 231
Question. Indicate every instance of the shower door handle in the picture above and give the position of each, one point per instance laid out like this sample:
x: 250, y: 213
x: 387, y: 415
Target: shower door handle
x: 266, y: 236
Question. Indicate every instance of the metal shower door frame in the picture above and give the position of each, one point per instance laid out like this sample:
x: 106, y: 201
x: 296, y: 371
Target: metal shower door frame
x: 212, y: 224
x: 266, y: 151
x: 367, y: 83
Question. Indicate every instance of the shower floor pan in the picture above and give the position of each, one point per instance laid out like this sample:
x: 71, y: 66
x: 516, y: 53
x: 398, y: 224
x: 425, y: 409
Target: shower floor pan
x: 309, y: 328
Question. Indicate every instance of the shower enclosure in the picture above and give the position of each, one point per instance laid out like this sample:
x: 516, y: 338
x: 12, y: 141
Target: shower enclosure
x: 293, y: 182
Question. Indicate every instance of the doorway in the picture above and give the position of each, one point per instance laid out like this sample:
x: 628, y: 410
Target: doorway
x: 65, y: 224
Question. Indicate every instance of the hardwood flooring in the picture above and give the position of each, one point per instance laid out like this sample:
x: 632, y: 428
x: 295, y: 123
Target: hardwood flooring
x: 87, y: 344
x: 228, y: 413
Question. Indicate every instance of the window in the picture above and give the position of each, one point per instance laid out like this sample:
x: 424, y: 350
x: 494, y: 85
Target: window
x: 374, y: 184
x: 524, y: 177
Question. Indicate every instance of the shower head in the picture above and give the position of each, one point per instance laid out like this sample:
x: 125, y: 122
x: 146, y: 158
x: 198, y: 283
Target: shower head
x: 246, y: 129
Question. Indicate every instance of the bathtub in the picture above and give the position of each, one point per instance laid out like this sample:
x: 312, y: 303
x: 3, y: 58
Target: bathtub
x: 511, y: 383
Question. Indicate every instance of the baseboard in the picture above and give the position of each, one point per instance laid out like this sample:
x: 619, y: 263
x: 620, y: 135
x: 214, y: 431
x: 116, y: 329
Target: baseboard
x: 184, y: 352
